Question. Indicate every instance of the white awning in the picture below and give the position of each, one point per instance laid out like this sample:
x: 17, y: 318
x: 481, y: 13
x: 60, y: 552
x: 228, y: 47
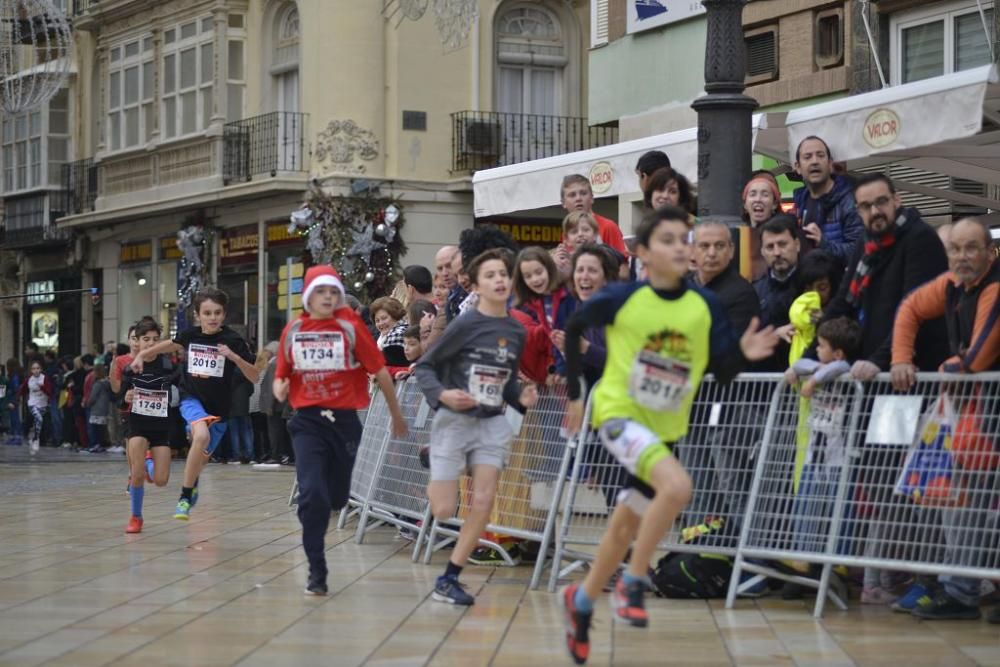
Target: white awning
x: 611, y: 170
x: 947, y: 125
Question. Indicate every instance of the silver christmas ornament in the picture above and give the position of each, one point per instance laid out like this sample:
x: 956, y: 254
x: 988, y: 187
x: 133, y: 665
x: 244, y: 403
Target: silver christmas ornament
x: 369, y: 277
x: 391, y: 214
x: 358, y: 285
x: 381, y: 230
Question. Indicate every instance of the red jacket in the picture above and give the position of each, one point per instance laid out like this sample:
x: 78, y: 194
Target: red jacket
x: 538, y: 357
x: 354, y: 347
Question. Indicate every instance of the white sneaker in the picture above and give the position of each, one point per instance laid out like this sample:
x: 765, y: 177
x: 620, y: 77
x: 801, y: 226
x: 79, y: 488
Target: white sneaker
x: 117, y: 449
x: 67, y: 445
x: 34, y: 446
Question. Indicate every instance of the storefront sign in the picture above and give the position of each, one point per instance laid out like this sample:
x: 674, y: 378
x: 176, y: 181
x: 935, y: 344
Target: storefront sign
x: 239, y: 245
x: 532, y: 232
x: 139, y: 251
x: 881, y: 128
x: 40, y: 292
x: 602, y: 177
x: 169, y: 249
x: 278, y: 235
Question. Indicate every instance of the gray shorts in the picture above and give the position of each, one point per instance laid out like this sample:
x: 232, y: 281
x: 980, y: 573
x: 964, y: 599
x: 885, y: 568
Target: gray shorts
x: 459, y: 442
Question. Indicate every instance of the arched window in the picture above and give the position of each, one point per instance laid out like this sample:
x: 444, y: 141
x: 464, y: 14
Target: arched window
x: 531, y: 59
x: 285, y: 59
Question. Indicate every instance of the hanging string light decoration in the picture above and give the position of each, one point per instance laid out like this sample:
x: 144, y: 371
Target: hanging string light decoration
x: 359, y: 236
x: 36, y: 53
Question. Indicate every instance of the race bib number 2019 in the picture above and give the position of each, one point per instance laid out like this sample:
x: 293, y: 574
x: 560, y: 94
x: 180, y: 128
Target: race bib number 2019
x: 318, y: 351
x: 205, y: 360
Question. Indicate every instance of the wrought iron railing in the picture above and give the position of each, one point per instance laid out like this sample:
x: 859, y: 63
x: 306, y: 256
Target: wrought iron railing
x: 485, y: 139
x: 79, y: 183
x: 264, y: 144
x: 30, y: 237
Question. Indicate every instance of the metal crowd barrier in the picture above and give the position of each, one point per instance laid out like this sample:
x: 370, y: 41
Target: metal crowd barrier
x: 530, y: 485
x: 775, y: 480
x: 725, y: 432
x: 865, y: 496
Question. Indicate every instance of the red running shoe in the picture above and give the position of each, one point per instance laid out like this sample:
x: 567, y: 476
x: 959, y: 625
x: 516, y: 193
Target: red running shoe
x: 134, y: 525
x: 628, y: 603
x: 577, y: 627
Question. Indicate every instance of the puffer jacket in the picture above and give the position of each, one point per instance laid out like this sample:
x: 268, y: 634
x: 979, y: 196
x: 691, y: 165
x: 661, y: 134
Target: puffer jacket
x: 839, y: 220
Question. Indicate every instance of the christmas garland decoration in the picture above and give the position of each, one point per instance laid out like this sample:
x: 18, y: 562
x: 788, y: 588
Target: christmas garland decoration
x: 358, y: 236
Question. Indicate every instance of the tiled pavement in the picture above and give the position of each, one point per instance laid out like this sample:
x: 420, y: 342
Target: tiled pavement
x: 226, y: 589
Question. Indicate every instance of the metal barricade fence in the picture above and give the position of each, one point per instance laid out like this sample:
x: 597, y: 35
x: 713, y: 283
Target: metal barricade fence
x: 726, y: 429
x: 398, y: 491
x: 531, y: 483
x: 915, y: 488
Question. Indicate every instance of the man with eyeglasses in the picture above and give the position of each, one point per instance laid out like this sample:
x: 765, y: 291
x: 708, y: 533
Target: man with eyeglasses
x: 968, y: 297
x: 898, y: 253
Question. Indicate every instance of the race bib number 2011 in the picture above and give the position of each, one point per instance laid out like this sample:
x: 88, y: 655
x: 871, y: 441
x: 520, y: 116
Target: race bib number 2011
x: 205, y: 360
x: 318, y: 351
x: 659, y: 384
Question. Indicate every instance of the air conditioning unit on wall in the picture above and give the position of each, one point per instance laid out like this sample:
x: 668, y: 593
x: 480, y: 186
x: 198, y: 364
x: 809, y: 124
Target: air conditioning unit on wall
x: 479, y: 138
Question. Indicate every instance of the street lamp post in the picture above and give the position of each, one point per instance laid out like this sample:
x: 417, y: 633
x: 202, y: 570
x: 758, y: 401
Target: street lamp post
x: 725, y: 140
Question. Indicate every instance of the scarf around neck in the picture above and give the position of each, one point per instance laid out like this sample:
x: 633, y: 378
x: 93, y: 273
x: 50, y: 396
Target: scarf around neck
x: 876, y: 250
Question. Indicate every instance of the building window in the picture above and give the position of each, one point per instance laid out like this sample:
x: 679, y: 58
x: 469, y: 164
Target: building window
x: 24, y: 213
x: 35, y: 144
x: 285, y: 60
x: 188, y: 78
x: 130, y: 94
x: 830, y: 38
x: 942, y: 40
x: 531, y: 58
x: 236, y: 74
x: 762, y: 54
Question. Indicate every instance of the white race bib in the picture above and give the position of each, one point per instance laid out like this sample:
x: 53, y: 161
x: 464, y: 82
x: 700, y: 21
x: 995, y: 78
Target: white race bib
x: 150, y: 402
x: 486, y: 384
x: 657, y: 383
x: 318, y: 351
x: 205, y: 360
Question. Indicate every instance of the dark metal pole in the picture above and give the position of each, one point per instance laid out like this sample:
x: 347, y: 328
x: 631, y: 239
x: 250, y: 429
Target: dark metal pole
x: 724, y: 116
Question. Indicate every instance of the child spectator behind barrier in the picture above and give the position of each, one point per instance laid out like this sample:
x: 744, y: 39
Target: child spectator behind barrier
x: 818, y: 466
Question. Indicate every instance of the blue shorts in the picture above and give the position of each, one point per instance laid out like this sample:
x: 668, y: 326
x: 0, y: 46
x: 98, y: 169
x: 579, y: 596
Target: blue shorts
x: 193, y: 412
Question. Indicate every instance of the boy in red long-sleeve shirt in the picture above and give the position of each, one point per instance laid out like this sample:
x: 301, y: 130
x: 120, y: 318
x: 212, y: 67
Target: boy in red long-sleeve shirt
x: 324, y: 358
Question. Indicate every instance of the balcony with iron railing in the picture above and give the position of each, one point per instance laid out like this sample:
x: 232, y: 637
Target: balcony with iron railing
x: 79, y: 183
x: 264, y: 145
x: 486, y: 139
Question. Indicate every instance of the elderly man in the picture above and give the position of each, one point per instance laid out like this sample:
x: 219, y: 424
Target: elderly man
x: 898, y: 253
x: 443, y: 265
x: 968, y: 298
x: 715, y: 271
x: 722, y: 472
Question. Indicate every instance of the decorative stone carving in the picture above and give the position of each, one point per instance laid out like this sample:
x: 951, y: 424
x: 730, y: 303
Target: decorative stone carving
x: 342, y: 144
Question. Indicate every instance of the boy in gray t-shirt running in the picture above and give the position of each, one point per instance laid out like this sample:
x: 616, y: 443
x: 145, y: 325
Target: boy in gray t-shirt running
x: 468, y: 376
